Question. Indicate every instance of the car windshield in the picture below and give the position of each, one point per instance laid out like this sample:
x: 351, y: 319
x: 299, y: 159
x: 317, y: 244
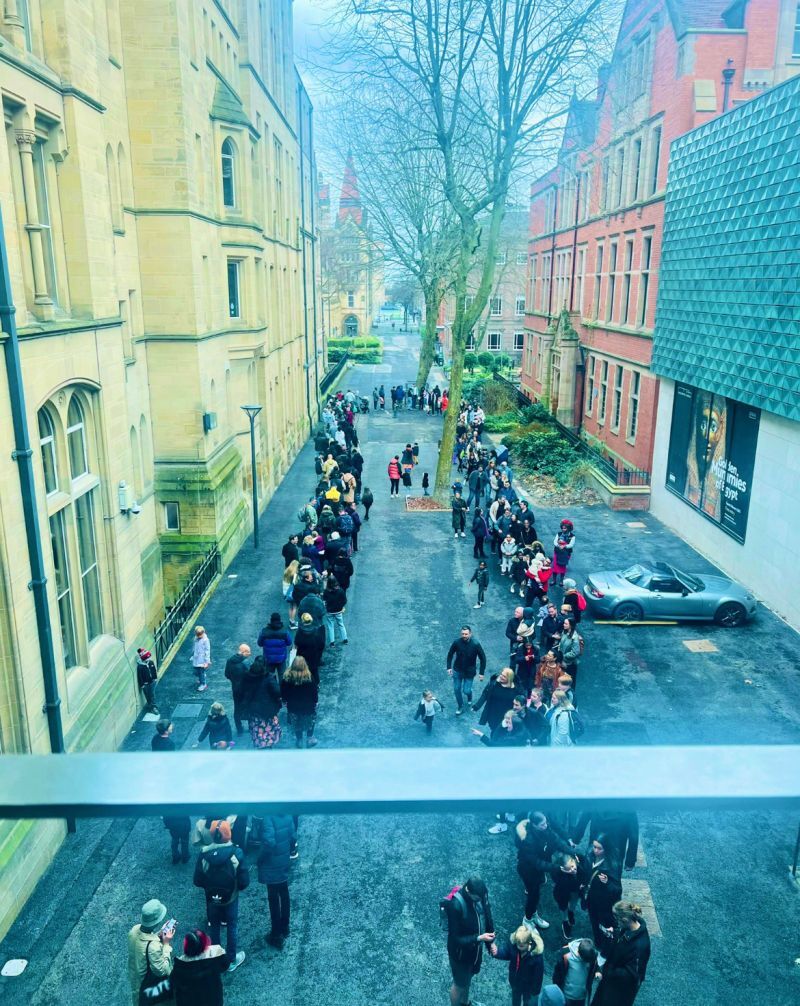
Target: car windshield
x: 691, y: 582
x: 636, y: 574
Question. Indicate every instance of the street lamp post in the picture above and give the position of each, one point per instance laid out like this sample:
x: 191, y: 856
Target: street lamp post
x: 252, y: 411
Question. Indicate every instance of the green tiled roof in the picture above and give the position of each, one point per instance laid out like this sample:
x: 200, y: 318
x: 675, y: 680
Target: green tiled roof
x: 728, y: 314
x: 227, y: 107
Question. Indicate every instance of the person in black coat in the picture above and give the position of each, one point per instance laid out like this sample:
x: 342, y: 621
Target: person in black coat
x: 177, y: 826
x: 300, y: 692
x: 523, y: 951
x: 511, y: 629
x: 621, y: 827
x: 526, y: 661
x: 291, y: 550
x: 147, y: 678
x: 462, y: 657
x: 480, y: 531
x: 309, y: 641
x: 196, y: 977
x: 601, y: 890
x: 625, y: 966
x: 509, y: 733
x: 537, y: 841
x: 235, y: 671
x: 367, y: 499
x: 469, y: 927
x: 217, y: 728
x: 496, y: 698
x: 262, y: 703
x: 342, y: 569
x: 277, y: 835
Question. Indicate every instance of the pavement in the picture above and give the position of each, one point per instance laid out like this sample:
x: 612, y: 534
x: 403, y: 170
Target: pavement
x: 365, y: 890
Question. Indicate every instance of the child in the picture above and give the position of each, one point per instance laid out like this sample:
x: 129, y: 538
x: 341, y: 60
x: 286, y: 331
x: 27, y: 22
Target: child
x: 523, y: 951
x: 425, y: 484
x: 426, y: 710
x: 481, y: 577
x: 217, y: 728
x: 415, y: 452
x: 508, y: 549
x: 561, y: 554
x: 575, y: 969
x: 567, y: 881
x: 516, y: 573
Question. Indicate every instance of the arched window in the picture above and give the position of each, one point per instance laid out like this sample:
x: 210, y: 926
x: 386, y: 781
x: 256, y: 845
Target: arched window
x: 76, y: 439
x: 123, y: 171
x: 228, y: 174
x: 64, y: 439
x: 47, y: 445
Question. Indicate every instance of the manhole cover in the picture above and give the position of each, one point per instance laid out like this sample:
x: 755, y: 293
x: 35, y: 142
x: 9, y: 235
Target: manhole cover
x: 186, y: 710
x: 13, y: 968
x: 700, y: 646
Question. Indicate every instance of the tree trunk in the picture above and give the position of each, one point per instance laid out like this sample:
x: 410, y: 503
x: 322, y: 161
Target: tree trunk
x: 433, y: 299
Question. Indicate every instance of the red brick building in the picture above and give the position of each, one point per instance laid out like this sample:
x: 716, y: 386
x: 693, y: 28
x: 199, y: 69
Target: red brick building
x: 596, y: 218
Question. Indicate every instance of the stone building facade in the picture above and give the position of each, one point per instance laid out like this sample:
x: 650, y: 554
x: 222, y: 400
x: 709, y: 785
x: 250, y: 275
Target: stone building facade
x: 596, y: 218
x: 151, y: 197
x: 352, y: 262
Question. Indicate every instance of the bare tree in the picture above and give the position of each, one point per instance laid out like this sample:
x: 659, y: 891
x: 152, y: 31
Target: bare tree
x: 486, y: 80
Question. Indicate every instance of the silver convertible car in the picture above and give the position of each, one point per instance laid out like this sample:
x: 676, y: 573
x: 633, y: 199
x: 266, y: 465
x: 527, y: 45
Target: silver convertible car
x: 660, y: 591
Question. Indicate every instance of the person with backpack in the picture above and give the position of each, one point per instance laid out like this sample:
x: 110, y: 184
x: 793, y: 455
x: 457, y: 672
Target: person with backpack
x: 196, y: 978
x: 221, y: 871
x: 575, y: 970
x: 146, y: 678
x: 355, y: 517
x: 575, y: 599
x: 523, y: 951
x: 565, y: 724
x: 570, y: 647
x: 467, y: 916
x: 277, y: 835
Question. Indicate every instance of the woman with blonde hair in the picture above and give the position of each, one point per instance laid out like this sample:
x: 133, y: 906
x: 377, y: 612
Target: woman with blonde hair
x: 625, y: 966
x: 290, y: 575
x: 300, y: 693
x: 560, y: 717
x: 523, y: 951
x: 497, y: 698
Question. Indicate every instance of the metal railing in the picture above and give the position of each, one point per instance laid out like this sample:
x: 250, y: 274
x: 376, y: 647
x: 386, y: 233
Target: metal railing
x: 333, y: 373
x: 185, y: 604
x: 616, y: 473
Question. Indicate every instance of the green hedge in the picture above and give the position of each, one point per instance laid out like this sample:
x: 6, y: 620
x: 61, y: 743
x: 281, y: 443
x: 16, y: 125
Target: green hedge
x: 367, y: 355
x: 363, y: 342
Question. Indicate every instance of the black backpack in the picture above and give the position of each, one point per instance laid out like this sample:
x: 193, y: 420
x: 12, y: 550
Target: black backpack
x: 219, y: 877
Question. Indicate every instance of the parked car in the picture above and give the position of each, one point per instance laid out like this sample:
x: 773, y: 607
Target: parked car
x: 659, y: 591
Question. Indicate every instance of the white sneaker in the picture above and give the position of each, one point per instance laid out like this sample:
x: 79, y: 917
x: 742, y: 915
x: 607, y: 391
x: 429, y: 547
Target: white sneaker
x: 498, y: 829
x: 239, y: 959
x: 540, y: 922
x: 511, y: 818
x: 463, y: 535
x: 202, y: 688
x: 530, y: 924
x: 476, y: 605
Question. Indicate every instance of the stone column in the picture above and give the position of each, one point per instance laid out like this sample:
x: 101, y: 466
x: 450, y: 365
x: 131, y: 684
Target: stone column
x: 570, y: 348
x: 14, y: 25
x: 547, y: 338
x: 25, y: 141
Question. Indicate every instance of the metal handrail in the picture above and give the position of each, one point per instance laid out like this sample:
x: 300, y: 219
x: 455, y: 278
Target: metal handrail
x: 333, y: 373
x: 168, y: 630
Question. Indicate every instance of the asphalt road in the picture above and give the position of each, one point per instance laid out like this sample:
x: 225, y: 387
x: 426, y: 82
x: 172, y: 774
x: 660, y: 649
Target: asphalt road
x: 365, y: 891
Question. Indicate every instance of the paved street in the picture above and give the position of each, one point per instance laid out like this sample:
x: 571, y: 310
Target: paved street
x: 365, y: 891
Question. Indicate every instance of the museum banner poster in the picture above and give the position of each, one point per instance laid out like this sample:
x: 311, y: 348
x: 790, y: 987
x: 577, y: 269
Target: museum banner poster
x: 712, y: 450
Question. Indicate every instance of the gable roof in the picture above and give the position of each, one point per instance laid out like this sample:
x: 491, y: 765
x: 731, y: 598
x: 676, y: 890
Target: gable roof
x: 227, y: 106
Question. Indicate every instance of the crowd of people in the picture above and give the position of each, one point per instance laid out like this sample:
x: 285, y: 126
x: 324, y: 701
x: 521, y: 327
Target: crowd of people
x: 432, y: 401
x: 531, y: 701
x: 276, y: 688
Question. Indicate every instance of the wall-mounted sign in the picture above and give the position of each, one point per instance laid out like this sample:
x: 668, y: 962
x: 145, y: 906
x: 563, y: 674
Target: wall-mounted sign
x: 712, y: 450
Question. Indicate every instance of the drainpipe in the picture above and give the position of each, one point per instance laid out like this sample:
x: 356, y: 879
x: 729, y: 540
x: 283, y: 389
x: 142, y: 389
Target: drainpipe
x: 552, y: 255
x: 313, y: 193
x: 574, y: 241
x: 23, y: 455
x: 728, y: 74
x: 307, y: 364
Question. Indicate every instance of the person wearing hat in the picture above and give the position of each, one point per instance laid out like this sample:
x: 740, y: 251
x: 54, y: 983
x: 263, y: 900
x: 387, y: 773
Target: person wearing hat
x: 149, y: 947
x: 146, y: 678
x: 574, y: 599
x: 275, y: 643
x: 221, y: 871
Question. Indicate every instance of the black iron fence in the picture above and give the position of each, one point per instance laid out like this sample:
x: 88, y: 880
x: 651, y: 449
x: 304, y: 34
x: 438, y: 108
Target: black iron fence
x: 614, y: 471
x: 185, y: 604
x: 332, y: 374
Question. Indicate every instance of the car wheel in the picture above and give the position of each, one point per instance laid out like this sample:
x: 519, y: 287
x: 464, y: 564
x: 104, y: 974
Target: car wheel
x: 730, y: 615
x: 628, y: 611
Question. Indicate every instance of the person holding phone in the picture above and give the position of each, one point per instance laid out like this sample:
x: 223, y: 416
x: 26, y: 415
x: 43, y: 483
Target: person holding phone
x: 470, y: 927
x: 150, y: 947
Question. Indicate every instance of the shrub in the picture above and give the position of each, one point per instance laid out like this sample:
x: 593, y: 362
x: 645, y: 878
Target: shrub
x: 536, y: 413
x: 544, y: 451
x: 486, y: 359
x: 472, y: 388
x: 497, y: 398
x: 502, y: 423
x: 470, y: 362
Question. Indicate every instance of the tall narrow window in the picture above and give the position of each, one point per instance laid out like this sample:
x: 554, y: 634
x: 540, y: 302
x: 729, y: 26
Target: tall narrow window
x: 519, y: 307
x: 612, y: 281
x: 496, y: 307
x: 48, y: 449
x: 519, y: 340
x: 605, y: 179
x: 636, y: 170
x: 494, y: 341
x: 532, y: 291
x: 598, y: 279
x: 580, y: 274
x: 76, y: 439
x: 603, y: 391
x: 644, y: 280
x: 351, y: 298
x: 25, y: 17
x: 87, y: 558
x: 616, y: 408
x: 234, y: 306
x: 66, y: 614
x: 796, y: 40
x: 43, y: 204
x: 655, y: 153
x: 590, y: 366
x: 627, y: 264
x: 546, y: 260
x: 633, y: 404
x: 228, y: 174
x: 619, y: 176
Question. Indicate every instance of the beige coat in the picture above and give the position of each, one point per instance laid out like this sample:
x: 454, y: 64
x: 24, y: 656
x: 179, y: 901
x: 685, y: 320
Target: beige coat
x: 160, y: 957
